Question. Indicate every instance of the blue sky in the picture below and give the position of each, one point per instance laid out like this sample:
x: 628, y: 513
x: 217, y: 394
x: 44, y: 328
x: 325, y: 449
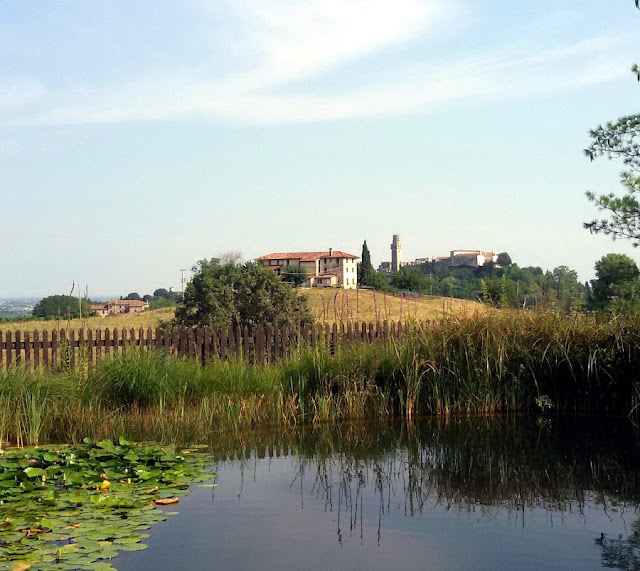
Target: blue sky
x: 138, y: 137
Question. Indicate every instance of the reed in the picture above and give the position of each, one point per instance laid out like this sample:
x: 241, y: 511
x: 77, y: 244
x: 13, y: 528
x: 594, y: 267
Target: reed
x: 494, y: 363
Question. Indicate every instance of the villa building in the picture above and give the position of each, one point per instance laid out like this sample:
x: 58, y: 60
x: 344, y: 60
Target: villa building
x: 323, y: 269
x: 119, y: 306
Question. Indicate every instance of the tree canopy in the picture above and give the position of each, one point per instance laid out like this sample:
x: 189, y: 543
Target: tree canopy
x: 616, y: 286
x: 222, y: 294
x: 618, y: 139
x: 296, y: 275
x: 62, y: 306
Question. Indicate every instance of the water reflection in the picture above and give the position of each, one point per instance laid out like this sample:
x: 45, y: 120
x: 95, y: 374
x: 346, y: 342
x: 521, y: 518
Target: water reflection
x: 475, y: 492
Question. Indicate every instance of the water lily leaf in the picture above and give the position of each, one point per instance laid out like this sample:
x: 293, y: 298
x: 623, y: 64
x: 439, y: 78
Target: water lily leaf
x: 11, y: 537
x: 32, y: 472
x: 133, y: 547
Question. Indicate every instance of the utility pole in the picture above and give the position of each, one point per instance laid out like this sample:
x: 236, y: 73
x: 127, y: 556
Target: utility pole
x: 182, y: 279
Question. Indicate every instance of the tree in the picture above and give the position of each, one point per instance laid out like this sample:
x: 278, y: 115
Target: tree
x: 616, y: 286
x: 410, y: 278
x: 161, y: 292
x: 504, y: 259
x: 222, y: 294
x: 367, y: 276
x: 296, y: 275
x: 61, y: 306
x: 134, y: 296
x: 619, y: 139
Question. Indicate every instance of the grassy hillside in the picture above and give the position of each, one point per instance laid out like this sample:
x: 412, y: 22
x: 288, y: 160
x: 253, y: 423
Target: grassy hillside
x: 327, y: 305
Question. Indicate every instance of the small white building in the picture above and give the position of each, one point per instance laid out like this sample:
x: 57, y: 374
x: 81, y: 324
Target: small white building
x: 332, y: 268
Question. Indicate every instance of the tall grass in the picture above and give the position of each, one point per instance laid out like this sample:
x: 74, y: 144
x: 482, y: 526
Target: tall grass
x: 488, y: 364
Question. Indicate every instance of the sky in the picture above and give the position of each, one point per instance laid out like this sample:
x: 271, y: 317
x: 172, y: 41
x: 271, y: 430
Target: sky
x: 139, y: 137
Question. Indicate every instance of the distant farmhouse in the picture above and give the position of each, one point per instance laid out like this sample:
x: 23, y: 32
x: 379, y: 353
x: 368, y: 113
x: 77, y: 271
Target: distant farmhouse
x: 323, y: 269
x: 119, y: 306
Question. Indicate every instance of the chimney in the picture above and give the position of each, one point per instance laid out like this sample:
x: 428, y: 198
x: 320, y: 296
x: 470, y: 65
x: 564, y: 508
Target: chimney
x: 330, y: 250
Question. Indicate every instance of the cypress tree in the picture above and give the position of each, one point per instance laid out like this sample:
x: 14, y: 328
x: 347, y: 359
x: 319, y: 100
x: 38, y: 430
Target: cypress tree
x: 366, y: 273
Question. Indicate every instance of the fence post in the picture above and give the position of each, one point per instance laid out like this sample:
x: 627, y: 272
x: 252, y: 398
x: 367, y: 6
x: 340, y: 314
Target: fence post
x: 18, y: 352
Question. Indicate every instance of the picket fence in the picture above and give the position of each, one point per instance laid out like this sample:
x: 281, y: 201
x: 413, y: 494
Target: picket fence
x: 59, y: 349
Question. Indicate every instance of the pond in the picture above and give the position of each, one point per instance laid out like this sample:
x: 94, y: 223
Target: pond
x: 516, y: 492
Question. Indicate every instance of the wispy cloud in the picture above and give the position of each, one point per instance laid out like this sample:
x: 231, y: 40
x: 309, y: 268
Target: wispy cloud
x: 295, y: 42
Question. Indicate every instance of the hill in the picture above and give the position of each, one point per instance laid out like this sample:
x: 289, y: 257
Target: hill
x: 329, y: 305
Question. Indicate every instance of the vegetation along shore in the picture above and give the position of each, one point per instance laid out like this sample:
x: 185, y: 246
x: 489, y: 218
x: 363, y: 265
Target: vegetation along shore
x: 493, y: 363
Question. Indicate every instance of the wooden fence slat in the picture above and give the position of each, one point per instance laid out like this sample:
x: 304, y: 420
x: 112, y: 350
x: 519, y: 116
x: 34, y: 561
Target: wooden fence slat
x: 72, y: 349
x: 268, y: 343
x: 8, y: 349
x: 99, y: 344
x: 115, y: 340
x: 107, y: 342
x: 27, y: 349
x: 238, y: 340
x: 54, y: 350
x: 45, y: 349
x: 36, y: 350
x: 90, y: 347
x: 191, y: 343
x: 17, y: 358
x: 246, y: 350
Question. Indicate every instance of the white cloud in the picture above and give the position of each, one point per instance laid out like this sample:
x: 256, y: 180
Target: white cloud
x: 294, y: 41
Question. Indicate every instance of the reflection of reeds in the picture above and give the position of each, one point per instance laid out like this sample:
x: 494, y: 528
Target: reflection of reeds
x: 470, y: 464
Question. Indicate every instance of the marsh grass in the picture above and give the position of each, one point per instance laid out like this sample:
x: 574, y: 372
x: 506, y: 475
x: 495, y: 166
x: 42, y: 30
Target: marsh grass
x: 496, y: 363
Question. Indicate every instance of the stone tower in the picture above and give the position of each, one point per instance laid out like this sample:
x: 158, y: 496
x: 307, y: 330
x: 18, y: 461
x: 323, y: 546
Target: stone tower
x: 396, y: 254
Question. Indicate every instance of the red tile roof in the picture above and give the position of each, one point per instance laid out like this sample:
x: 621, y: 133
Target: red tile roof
x: 307, y: 256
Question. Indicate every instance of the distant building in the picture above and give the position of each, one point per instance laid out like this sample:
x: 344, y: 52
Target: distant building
x: 119, y: 306
x: 323, y: 269
x: 473, y: 258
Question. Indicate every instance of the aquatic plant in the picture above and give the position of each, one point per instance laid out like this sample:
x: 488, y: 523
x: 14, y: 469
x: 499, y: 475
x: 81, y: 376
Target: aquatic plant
x: 78, y: 506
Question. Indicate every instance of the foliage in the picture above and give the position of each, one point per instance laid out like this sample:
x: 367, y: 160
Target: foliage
x: 498, y: 362
x: 616, y: 286
x: 618, y: 139
x: 410, y: 278
x: 367, y: 275
x: 296, y: 275
x: 62, y: 306
x: 509, y: 286
x: 221, y: 295
x: 504, y: 259
x: 78, y: 506
x: 133, y: 296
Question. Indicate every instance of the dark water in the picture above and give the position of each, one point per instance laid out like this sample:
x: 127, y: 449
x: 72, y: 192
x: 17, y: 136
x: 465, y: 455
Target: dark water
x: 508, y: 493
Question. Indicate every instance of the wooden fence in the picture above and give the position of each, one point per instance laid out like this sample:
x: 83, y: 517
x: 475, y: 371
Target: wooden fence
x: 59, y: 349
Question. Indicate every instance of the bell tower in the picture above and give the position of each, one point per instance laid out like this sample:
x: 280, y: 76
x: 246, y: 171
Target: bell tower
x: 396, y: 254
